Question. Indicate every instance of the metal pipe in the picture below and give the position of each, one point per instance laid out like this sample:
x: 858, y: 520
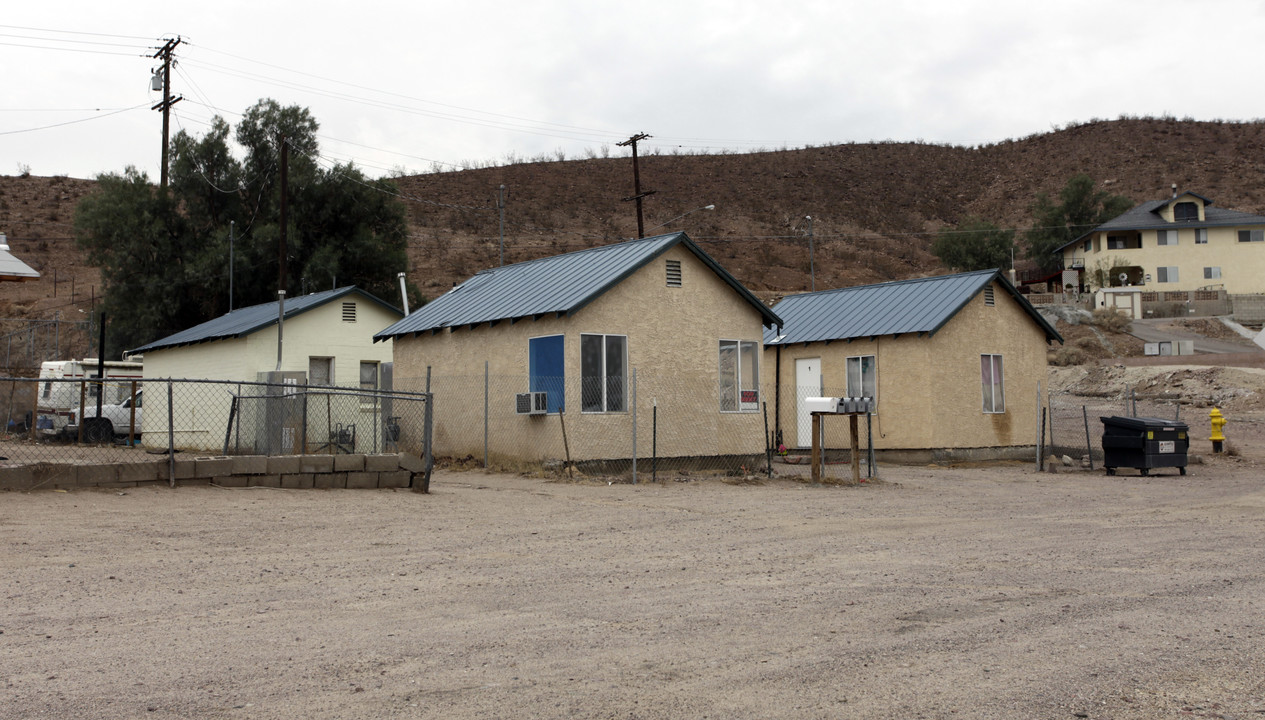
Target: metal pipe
x: 281, y: 316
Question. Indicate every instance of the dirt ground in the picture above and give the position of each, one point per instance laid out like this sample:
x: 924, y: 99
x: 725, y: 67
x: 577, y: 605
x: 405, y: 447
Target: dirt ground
x: 978, y: 592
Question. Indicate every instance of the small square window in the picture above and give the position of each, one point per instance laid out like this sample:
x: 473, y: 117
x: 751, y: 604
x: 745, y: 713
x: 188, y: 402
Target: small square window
x: 1201, y: 236
x: 1212, y: 273
x: 1166, y: 237
x: 1166, y: 274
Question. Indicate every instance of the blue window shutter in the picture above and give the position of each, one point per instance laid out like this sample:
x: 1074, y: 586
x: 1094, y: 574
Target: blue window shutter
x: 546, y: 370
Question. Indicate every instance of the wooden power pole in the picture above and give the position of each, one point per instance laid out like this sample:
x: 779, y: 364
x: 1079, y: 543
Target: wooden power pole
x: 165, y: 53
x: 637, y: 193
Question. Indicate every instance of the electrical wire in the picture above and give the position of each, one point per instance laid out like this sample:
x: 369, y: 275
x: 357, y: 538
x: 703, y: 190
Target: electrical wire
x: 73, y: 122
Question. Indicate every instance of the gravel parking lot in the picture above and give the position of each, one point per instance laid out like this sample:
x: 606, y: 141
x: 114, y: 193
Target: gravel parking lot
x: 966, y: 592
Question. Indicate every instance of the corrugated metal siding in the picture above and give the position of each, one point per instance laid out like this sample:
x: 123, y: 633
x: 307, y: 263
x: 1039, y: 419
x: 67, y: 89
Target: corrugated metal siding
x: 896, y: 308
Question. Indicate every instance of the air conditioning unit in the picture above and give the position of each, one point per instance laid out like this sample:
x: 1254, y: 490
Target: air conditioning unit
x: 531, y: 403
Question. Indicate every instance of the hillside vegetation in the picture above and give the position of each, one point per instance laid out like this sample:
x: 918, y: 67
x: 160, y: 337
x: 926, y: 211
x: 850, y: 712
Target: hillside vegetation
x: 875, y: 206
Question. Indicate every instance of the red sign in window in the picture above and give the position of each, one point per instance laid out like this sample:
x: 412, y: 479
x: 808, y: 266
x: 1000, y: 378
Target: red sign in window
x: 750, y: 396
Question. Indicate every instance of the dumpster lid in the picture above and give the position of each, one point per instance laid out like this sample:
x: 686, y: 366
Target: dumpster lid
x: 1143, y: 423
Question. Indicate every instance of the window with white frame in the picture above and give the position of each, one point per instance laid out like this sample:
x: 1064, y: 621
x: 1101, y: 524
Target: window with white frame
x: 1166, y: 274
x: 1166, y: 237
x: 1252, y: 236
x: 992, y: 381
x: 863, y: 378
x: 1212, y: 273
x: 739, y: 376
x: 1201, y: 236
x: 603, y: 373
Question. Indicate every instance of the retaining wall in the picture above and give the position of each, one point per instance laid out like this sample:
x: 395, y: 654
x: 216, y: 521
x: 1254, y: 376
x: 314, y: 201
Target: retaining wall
x: 298, y: 472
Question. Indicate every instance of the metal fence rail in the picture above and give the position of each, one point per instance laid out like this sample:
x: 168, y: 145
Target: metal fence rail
x: 82, y: 421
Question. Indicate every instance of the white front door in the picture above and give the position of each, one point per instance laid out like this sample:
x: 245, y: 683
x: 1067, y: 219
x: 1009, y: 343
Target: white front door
x: 807, y: 384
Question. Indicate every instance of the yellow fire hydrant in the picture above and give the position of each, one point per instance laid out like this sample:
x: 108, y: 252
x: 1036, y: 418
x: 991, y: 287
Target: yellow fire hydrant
x: 1218, y: 422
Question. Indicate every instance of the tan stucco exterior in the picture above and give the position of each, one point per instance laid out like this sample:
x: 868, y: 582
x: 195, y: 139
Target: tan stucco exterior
x: 202, y: 411
x: 1222, y: 261
x: 673, y: 336
x: 929, y: 389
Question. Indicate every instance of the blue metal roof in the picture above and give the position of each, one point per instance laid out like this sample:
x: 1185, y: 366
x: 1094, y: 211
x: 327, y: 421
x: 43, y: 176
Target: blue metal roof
x: 920, y: 306
x: 558, y: 285
x: 256, y: 317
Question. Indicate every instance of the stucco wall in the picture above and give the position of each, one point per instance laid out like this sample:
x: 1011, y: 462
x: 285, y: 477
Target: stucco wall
x: 1242, y: 264
x: 672, y: 340
x: 929, y: 389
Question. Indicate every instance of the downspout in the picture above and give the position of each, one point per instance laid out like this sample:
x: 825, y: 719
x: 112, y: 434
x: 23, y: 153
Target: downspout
x: 777, y: 395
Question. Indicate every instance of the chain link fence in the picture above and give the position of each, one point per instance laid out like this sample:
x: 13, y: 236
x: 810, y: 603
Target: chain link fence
x: 1074, y: 422
x: 90, y: 421
x: 637, y: 428
x: 24, y: 343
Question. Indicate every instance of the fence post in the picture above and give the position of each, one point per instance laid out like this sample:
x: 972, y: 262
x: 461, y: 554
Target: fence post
x: 171, y: 437
x: 1088, y: 448
x: 1040, y: 425
x: 634, y: 425
x: 485, y: 414
x: 1049, y: 404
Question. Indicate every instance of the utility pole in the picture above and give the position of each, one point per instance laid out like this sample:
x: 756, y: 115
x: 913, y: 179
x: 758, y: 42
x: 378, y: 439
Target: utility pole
x: 165, y: 53
x: 812, y: 271
x: 500, y: 204
x: 638, y: 194
x: 284, y: 146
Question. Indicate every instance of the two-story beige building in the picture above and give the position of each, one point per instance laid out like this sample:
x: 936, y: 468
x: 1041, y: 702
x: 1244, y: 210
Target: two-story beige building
x: 952, y: 364
x: 1180, y: 243
x: 585, y: 355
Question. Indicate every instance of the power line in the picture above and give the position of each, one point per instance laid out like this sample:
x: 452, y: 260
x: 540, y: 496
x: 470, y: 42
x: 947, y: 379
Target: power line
x: 74, y: 32
x: 72, y: 122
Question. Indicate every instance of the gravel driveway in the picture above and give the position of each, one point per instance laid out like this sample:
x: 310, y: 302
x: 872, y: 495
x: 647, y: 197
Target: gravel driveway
x: 965, y: 592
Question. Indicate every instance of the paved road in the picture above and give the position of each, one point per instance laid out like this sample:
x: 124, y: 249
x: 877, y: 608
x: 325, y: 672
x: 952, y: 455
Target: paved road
x: 1160, y: 330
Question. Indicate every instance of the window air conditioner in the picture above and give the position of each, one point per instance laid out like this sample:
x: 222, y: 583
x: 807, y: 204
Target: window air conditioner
x: 530, y: 403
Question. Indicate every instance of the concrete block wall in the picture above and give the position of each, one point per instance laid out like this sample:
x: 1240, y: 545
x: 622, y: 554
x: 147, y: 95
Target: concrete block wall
x: 1248, y: 308
x: 298, y: 472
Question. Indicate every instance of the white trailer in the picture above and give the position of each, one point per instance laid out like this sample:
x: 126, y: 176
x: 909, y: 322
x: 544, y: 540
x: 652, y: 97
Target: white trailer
x: 61, y: 382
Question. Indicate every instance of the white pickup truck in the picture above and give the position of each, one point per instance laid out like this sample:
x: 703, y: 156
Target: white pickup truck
x: 114, y: 420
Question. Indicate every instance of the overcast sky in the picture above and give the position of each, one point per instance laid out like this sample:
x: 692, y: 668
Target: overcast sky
x: 425, y: 84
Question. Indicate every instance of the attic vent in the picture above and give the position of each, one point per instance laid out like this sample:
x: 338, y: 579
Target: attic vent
x: 349, y: 312
x: 988, y: 296
x: 674, y: 273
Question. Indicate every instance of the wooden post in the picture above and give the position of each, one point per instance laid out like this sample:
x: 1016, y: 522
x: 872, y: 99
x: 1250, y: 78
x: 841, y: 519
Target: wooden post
x: 856, y: 450
x: 816, y: 453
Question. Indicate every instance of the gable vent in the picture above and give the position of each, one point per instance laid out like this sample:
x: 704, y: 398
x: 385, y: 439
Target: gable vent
x: 674, y: 273
x: 988, y: 296
x: 349, y: 312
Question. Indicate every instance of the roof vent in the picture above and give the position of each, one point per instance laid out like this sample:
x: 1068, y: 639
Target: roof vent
x: 349, y: 312
x: 988, y: 296
x: 674, y: 273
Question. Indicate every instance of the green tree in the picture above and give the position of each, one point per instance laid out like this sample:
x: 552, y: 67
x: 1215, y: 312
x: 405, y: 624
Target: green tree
x: 1080, y: 208
x: 974, y: 245
x: 164, y: 256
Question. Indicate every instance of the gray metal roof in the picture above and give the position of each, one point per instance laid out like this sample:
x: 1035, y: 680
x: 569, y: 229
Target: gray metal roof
x: 12, y: 268
x: 919, y: 306
x: 1147, y: 217
x: 558, y: 285
x: 247, y: 320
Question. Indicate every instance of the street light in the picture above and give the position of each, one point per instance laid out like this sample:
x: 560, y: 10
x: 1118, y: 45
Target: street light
x: 678, y: 217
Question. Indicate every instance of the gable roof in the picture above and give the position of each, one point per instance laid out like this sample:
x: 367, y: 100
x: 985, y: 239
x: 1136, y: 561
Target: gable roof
x: 247, y: 320
x: 14, y: 269
x: 1147, y: 217
x: 561, y: 285
x: 921, y: 306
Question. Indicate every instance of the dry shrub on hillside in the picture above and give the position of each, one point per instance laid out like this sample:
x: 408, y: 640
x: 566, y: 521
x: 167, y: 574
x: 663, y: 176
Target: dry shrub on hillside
x: 1110, y: 319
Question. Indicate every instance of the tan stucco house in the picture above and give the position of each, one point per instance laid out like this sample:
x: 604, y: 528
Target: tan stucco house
x: 543, y: 359
x: 327, y: 340
x: 952, y: 363
x: 1179, y: 243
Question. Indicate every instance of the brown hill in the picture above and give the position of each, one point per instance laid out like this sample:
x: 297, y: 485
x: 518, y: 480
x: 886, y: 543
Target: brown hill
x: 875, y: 206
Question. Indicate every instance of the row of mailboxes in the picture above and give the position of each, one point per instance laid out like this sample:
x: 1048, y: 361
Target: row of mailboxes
x: 839, y: 405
